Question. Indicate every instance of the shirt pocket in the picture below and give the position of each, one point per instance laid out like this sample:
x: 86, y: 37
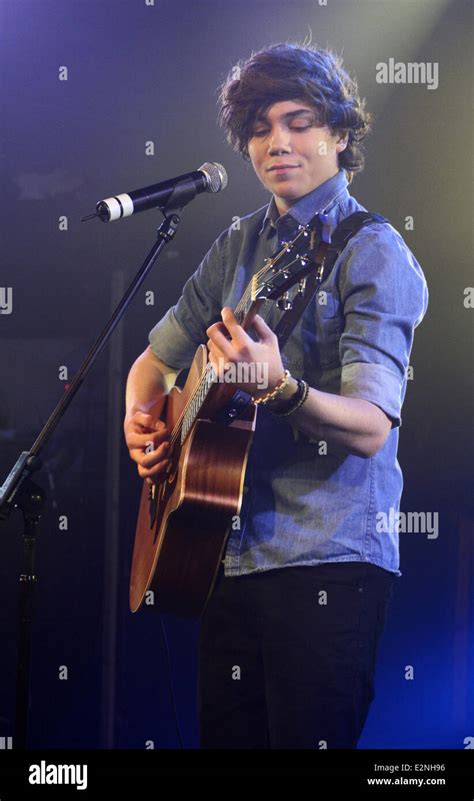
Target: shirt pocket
x: 322, y: 329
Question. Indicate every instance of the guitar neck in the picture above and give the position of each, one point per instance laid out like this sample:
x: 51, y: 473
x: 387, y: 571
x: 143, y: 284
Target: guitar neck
x: 245, y: 312
x: 248, y: 306
x: 271, y: 282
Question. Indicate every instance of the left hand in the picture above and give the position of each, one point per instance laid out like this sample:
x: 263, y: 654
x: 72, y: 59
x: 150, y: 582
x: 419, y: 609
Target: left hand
x: 229, y: 345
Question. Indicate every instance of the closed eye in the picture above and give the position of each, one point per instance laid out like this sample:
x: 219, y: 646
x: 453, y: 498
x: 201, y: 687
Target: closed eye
x: 264, y: 131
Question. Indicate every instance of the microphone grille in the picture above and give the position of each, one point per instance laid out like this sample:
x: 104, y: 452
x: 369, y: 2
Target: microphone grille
x: 215, y: 174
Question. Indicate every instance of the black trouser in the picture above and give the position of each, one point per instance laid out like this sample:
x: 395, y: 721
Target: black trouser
x: 287, y: 657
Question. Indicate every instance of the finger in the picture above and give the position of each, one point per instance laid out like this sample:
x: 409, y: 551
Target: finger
x: 137, y: 430
x: 215, y: 354
x: 148, y: 460
x: 137, y: 440
x: 145, y: 422
x: 153, y: 471
x: 227, y: 350
x: 213, y: 349
x: 219, y: 327
x: 159, y: 425
x: 143, y: 419
x: 153, y: 457
x: 240, y: 337
x: 262, y: 329
x: 220, y: 365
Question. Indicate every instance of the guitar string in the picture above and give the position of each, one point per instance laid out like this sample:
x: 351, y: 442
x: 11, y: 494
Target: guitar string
x: 208, y: 368
x: 265, y: 269
x: 242, y: 303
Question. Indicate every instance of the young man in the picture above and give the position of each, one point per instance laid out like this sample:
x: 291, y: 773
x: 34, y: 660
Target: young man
x: 289, y: 637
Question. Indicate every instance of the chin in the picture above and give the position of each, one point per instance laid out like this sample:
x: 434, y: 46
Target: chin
x: 292, y: 197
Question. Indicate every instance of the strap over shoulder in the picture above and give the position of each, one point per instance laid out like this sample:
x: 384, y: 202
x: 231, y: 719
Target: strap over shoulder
x: 326, y: 251
x: 343, y: 232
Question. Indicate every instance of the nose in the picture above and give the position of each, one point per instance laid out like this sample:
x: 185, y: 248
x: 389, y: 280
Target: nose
x: 279, y: 141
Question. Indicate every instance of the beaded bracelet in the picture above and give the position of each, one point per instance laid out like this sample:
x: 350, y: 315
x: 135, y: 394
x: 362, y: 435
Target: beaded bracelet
x: 296, y: 401
x: 276, y: 391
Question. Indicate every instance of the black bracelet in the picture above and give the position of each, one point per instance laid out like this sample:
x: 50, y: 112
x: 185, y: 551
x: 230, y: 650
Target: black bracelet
x: 293, y: 403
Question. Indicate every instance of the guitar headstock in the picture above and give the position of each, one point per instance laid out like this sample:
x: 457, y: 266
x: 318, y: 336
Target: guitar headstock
x: 288, y: 267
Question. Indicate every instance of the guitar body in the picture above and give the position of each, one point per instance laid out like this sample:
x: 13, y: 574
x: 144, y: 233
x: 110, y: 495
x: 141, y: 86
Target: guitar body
x: 185, y: 520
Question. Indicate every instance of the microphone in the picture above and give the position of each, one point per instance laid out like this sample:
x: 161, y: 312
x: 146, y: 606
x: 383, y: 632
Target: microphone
x: 167, y: 195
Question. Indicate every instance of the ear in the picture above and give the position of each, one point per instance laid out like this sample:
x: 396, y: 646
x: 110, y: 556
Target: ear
x: 342, y: 141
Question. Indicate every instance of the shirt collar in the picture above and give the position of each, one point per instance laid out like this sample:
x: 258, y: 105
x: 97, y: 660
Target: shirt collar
x: 315, y: 202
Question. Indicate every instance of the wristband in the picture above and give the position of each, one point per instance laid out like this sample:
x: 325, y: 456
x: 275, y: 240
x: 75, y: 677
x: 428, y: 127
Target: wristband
x: 275, y: 391
x: 296, y: 401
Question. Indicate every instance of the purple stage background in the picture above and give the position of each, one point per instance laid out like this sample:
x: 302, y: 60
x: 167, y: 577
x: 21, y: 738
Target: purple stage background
x: 104, y: 97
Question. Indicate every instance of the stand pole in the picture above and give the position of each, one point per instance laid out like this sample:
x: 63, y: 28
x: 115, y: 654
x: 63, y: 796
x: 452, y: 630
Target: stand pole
x: 19, y: 491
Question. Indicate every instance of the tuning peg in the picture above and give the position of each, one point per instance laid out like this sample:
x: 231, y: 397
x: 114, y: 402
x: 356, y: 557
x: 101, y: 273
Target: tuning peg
x: 284, y: 303
x: 301, y: 286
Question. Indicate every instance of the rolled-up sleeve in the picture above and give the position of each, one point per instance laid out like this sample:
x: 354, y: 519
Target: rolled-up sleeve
x: 384, y: 297
x: 175, y: 338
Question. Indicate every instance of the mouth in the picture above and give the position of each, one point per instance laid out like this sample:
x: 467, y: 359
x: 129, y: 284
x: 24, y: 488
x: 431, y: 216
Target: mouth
x: 282, y: 167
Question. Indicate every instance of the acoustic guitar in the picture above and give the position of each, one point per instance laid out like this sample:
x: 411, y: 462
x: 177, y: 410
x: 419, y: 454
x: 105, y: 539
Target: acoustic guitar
x: 185, y: 517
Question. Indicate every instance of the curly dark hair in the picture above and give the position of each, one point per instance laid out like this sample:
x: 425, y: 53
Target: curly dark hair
x: 291, y: 71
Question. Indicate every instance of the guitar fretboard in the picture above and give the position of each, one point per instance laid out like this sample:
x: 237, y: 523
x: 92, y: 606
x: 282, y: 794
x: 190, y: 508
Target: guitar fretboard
x: 190, y: 413
x: 197, y: 401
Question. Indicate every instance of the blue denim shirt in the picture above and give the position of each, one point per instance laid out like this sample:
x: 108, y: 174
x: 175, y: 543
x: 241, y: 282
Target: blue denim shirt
x: 301, y: 505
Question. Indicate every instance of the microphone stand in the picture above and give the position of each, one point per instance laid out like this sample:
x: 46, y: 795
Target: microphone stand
x: 18, y: 490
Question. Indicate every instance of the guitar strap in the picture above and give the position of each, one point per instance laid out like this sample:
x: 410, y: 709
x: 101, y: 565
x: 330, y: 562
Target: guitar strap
x: 326, y: 253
